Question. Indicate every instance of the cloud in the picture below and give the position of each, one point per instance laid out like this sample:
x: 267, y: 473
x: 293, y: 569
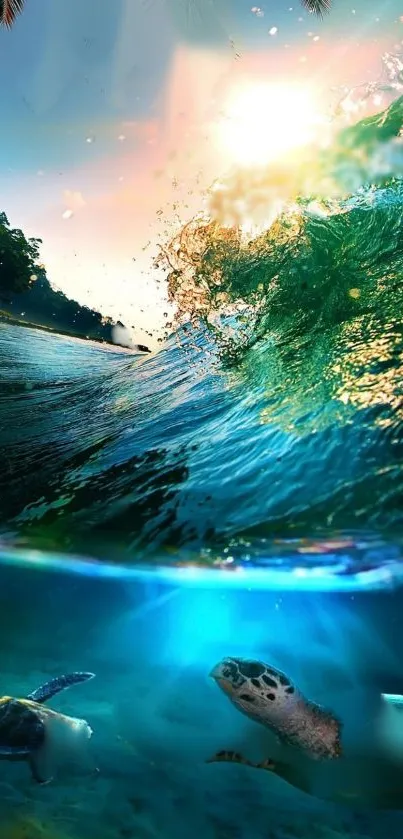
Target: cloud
x: 73, y: 201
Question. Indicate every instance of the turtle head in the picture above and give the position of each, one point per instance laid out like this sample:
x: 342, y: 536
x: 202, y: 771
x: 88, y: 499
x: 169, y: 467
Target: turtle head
x: 252, y: 686
x: 228, y: 676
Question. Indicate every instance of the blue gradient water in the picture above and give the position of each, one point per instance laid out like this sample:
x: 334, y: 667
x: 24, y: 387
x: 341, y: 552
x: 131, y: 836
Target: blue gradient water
x: 237, y: 493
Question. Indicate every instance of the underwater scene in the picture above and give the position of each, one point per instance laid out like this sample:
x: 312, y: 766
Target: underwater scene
x: 201, y: 419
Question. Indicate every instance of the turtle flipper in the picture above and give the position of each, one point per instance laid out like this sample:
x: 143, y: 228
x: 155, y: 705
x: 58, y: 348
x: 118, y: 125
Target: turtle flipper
x: 39, y: 770
x: 229, y: 756
x: 49, y: 689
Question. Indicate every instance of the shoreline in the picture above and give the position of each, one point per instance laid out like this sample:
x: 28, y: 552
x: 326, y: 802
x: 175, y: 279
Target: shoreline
x: 13, y: 321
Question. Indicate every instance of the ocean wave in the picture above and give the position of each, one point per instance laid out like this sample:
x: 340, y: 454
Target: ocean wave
x: 329, y: 251
x: 273, y: 411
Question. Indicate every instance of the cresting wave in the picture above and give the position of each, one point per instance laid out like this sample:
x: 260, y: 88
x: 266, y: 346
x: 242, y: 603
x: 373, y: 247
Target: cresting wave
x: 331, y: 253
x: 275, y: 411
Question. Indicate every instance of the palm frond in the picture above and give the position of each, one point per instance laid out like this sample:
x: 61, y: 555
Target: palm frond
x: 318, y: 7
x: 9, y: 9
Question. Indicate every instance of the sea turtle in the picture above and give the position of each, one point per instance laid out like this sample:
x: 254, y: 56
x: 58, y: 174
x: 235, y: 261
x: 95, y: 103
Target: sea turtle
x: 30, y: 731
x: 358, y: 761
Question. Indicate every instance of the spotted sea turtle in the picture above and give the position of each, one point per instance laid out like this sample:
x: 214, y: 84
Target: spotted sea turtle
x: 358, y: 761
x: 30, y: 731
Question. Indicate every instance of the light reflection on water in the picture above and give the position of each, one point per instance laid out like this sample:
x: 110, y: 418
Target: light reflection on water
x: 334, y: 564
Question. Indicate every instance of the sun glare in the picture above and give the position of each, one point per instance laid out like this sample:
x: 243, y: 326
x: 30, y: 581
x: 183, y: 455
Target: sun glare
x: 265, y: 122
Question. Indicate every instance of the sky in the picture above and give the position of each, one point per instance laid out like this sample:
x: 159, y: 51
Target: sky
x: 111, y: 118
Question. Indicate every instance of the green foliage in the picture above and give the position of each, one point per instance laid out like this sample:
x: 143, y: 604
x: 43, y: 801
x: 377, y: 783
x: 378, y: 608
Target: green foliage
x: 317, y: 7
x: 9, y: 9
x: 18, y: 259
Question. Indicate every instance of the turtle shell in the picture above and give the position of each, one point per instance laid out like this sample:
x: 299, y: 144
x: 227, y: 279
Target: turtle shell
x: 21, y: 728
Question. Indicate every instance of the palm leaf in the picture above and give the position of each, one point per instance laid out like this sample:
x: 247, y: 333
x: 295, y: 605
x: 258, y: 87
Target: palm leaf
x: 9, y: 9
x: 318, y: 7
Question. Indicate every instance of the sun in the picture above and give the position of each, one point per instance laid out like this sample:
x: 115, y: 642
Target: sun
x: 263, y: 122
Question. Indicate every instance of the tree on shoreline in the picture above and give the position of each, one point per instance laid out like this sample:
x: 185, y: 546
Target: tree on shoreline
x: 19, y: 259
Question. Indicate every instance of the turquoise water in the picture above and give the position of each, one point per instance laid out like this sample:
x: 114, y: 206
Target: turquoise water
x: 112, y: 456
x: 157, y: 717
x: 238, y: 493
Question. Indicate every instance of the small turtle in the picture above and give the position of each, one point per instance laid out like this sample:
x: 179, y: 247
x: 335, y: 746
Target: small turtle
x: 27, y: 728
x: 358, y: 762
